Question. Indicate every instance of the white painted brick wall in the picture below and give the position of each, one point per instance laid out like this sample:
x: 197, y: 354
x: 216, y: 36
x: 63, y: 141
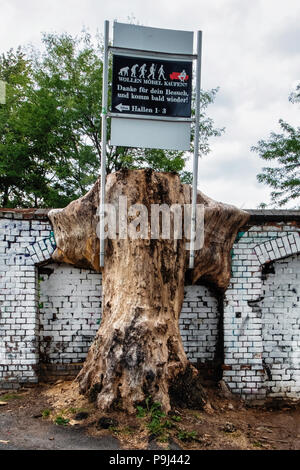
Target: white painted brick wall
x: 18, y: 298
x: 69, y: 313
x: 244, y: 320
x: 199, y: 324
x: 281, y: 327
x: 261, y: 320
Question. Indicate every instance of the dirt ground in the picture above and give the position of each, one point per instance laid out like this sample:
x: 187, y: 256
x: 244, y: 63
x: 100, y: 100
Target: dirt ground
x: 57, y: 417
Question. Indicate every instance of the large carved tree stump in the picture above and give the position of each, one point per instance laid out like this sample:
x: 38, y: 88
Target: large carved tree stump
x: 138, y: 349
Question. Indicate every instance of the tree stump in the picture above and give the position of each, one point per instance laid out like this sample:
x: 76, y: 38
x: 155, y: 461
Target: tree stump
x: 138, y: 351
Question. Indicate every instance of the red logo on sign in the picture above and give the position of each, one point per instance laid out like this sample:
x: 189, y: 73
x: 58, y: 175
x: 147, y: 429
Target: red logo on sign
x: 182, y: 76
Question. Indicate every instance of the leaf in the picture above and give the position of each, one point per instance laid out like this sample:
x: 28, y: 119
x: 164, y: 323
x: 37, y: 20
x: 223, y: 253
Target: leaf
x: 141, y: 412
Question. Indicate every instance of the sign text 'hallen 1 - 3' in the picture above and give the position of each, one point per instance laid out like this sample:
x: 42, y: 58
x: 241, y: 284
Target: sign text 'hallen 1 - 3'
x: 151, y: 86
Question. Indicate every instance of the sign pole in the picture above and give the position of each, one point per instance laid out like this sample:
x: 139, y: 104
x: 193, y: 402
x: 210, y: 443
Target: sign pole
x: 103, y: 140
x: 196, y: 151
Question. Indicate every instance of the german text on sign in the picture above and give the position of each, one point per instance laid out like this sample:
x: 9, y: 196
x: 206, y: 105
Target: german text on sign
x: 151, y: 86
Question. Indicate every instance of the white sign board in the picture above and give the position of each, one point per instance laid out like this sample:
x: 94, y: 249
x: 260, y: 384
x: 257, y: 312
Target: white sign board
x: 152, y: 39
x: 151, y: 83
x: 154, y: 134
x: 151, y: 98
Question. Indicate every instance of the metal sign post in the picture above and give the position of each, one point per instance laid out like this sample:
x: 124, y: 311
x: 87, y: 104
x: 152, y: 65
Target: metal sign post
x: 103, y: 140
x: 151, y: 98
x: 196, y: 150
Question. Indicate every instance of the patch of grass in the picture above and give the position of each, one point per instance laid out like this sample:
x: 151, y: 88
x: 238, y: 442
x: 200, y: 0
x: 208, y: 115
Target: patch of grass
x: 162, y: 426
x: 115, y: 430
x: 46, y: 413
x: 157, y: 422
x: 169, y: 424
x: 186, y: 436
x: 141, y: 412
x: 126, y: 431
x: 10, y: 396
x: 73, y: 410
x: 61, y: 421
x: 176, y: 418
x: 163, y: 437
x: 156, y: 427
x: 198, y: 416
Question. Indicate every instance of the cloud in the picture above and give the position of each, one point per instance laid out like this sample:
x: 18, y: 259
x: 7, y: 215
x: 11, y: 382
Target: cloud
x: 286, y: 42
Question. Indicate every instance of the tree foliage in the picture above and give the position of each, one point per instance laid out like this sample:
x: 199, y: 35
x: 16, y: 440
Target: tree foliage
x: 295, y: 95
x: 50, y: 126
x: 282, y: 150
x: 15, y: 165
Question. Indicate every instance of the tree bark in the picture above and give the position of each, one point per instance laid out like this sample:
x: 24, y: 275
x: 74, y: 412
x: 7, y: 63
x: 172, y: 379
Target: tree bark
x: 138, y: 351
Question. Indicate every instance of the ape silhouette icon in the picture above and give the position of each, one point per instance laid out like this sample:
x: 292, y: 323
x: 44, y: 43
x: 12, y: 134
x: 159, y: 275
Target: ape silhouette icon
x: 152, y: 72
x: 142, y: 71
x: 124, y: 71
x: 133, y: 70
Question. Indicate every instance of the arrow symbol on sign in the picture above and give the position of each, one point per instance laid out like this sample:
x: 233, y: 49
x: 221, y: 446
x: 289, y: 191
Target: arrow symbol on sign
x: 122, y: 107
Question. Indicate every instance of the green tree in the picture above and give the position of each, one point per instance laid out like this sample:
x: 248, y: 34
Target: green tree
x: 50, y: 128
x: 15, y: 167
x: 295, y: 95
x: 282, y: 150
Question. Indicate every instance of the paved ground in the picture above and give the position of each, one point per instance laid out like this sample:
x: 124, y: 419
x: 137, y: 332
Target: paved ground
x: 37, y: 434
x: 41, y: 435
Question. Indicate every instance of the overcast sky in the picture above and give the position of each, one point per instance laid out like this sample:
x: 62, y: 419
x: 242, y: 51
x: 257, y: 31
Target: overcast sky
x: 251, y: 50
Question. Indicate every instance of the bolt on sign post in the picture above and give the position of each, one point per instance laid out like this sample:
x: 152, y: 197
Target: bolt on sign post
x: 151, y: 97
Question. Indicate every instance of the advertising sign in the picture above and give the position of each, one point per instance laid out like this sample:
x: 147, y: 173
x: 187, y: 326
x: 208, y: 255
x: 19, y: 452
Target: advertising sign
x: 151, y: 98
x: 151, y: 86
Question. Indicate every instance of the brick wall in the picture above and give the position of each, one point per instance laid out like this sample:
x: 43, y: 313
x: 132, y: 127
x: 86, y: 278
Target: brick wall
x: 64, y: 309
x: 245, y: 364
x: 199, y: 324
x: 49, y: 313
x: 69, y: 312
x: 23, y: 242
x: 280, y: 310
